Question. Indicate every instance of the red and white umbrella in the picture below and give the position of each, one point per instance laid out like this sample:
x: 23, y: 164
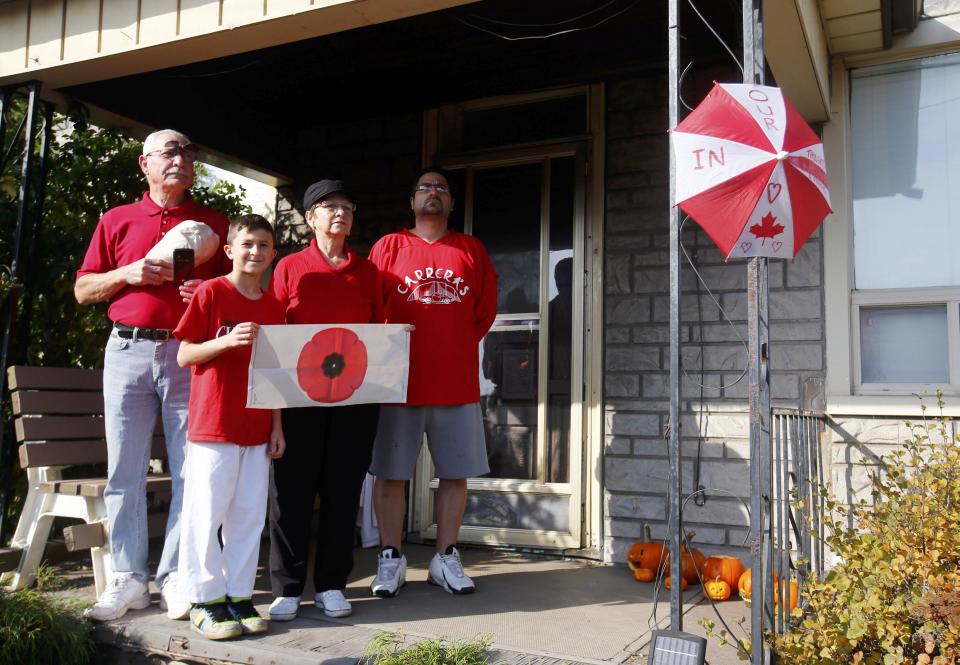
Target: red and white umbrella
x: 750, y: 171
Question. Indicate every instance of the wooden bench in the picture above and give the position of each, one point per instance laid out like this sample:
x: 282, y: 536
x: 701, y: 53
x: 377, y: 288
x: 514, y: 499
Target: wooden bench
x: 59, y: 425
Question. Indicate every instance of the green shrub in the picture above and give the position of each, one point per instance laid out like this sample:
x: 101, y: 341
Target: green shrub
x: 388, y: 649
x: 37, y: 628
x: 895, y: 596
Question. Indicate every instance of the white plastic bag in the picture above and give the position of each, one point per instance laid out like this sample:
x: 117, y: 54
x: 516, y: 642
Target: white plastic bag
x: 187, y: 235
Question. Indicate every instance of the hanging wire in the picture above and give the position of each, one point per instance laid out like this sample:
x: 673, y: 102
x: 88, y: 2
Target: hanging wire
x: 701, y: 497
x: 219, y: 73
x: 716, y: 302
x: 652, y: 618
x: 546, y: 25
x: 597, y: 24
x: 683, y: 75
x: 714, y: 33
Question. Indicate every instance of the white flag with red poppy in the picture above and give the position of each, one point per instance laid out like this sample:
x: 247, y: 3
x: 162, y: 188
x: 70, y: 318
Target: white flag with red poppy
x: 328, y: 365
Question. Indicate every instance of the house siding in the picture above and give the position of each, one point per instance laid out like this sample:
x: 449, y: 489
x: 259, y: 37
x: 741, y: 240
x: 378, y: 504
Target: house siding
x: 858, y: 446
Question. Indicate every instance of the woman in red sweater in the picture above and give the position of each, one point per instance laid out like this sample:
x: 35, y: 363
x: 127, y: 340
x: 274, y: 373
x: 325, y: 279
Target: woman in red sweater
x: 328, y: 448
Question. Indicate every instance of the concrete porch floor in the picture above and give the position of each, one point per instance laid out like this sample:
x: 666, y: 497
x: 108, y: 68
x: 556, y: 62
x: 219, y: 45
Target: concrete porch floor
x: 537, y: 610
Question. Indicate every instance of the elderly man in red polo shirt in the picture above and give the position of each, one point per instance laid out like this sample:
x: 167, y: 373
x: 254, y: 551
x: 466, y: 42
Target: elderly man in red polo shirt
x: 141, y: 377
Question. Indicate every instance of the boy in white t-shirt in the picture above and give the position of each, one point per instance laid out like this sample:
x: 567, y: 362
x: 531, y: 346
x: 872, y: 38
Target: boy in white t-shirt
x: 229, y: 447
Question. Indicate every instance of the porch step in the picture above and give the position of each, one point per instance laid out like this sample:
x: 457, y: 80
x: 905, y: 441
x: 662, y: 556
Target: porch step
x: 330, y: 641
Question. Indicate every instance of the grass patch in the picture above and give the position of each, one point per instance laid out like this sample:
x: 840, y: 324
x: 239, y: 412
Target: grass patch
x: 39, y: 629
x: 388, y: 649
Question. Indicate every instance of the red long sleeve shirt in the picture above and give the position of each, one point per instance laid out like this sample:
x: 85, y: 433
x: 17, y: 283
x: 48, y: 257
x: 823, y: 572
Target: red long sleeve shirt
x: 448, y: 290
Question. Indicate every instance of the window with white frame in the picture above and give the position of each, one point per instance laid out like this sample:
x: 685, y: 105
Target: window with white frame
x: 905, y: 121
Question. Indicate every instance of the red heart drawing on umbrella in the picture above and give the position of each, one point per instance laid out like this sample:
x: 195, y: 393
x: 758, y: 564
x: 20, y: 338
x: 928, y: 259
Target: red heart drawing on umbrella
x: 773, y: 191
x: 332, y: 365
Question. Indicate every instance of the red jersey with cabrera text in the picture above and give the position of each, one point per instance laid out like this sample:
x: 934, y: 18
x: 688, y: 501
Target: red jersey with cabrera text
x: 218, y: 388
x: 125, y: 234
x: 313, y: 291
x: 448, y: 290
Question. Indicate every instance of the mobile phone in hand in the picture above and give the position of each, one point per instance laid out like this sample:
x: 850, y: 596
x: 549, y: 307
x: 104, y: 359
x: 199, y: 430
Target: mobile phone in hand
x: 182, y: 264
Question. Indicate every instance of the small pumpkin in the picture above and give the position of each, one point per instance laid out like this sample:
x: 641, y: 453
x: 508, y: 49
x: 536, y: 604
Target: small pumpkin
x: 683, y: 583
x: 691, y: 564
x: 745, y: 584
x: 643, y: 574
x: 727, y: 568
x: 745, y: 587
x: 646, y: 554
x: 794, y: 594
x: 717, y: 589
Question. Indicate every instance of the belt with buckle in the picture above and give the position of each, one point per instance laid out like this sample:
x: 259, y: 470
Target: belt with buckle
x: 135, y: 333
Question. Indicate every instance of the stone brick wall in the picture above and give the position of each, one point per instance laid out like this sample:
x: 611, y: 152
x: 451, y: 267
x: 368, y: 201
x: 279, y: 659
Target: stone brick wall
x: 636, y: 370
x: 858, y: 445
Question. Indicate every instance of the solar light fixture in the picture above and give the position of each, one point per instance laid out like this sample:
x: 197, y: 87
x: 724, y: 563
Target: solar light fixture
x: 672, y: 647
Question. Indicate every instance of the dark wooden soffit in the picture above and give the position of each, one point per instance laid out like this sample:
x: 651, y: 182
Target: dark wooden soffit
x: 255, y: 104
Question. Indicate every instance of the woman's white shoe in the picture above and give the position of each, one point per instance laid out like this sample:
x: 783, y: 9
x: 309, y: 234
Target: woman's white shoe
x: 284, y: 608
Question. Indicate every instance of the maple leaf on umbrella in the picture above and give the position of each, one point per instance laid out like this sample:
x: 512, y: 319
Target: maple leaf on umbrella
x: 766, y: 228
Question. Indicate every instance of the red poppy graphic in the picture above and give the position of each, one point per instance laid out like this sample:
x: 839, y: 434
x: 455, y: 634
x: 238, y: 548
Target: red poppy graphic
x: 332, y: 365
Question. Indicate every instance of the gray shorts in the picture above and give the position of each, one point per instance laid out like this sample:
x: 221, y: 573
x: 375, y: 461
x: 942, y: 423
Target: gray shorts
x: 454, y: 434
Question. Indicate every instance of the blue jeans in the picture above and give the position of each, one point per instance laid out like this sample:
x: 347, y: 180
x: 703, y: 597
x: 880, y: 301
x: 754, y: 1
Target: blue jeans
x: 141, y: 380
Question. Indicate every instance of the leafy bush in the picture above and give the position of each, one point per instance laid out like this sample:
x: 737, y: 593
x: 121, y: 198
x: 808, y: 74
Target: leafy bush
x: 388, y: 649
x: 895, y: 596
x: 91, y: 169
x: 39, y: 629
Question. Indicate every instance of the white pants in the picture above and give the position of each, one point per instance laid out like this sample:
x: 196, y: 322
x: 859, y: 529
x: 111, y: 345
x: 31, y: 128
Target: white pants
x: 226, y: 485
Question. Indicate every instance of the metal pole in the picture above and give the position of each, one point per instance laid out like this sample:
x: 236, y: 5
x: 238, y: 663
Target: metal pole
x: 30, y: 264
x: 4, y: 109
x: 759, y: 381
x: 676, y: 482
x: 5, y: 98
x: 759, y: 398
x: 23, y: 201
x: 802, y: 468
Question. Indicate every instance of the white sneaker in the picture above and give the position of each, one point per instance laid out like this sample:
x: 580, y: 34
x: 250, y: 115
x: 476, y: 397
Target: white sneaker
x: 333, y: 603
x: 124, y: 592
x: 391, y: 573
x: 176, y: 606
x: 284, y: 608
x: 446, y: 571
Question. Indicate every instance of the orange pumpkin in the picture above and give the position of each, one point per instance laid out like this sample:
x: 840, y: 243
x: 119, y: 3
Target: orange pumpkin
x: 683, y: 583
x: 643, y: 575
x: 745, y: 584
x: 646, y: 554
x: 717, y: 589
x: 691, y: 561
x: 745, y: 587
x: 727, y: 568
x: 794, y: 594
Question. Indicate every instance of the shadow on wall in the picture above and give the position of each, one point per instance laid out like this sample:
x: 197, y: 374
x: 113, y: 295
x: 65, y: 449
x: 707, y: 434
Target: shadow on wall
x: 858, y: 449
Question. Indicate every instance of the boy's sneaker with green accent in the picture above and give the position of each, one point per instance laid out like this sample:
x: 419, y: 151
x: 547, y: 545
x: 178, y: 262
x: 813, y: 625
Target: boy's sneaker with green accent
x: 246, y: 615
x: 215, y: 621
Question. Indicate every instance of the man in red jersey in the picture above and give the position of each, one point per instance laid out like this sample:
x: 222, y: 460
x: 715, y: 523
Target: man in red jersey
x: 141, y: 377
x: 443, y: 283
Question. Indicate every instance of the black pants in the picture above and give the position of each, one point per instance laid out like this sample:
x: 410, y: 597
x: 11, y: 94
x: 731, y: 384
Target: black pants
x: 328, y: 454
